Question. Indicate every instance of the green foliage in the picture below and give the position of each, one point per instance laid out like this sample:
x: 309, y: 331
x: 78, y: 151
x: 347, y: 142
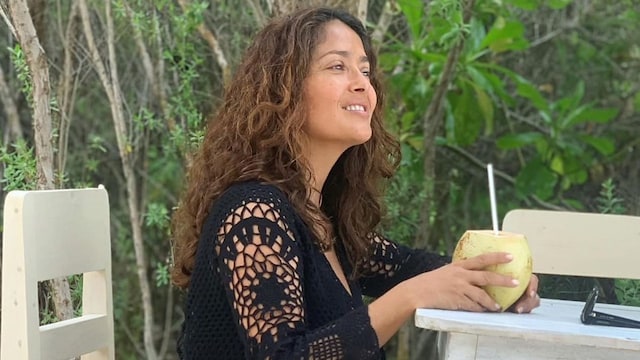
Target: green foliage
x: 162, y: 274
x: 22, y: 71
x: 403, y: 198
x: 535, y: 4
x: 19, y: 167
x: 627, y: 290
x: 565, y: 149
x: 608, y: 201
x: 157, y: 216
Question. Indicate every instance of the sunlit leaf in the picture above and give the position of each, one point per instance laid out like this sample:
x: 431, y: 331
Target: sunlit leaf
x: 486, y: 108
x: 416, y: 142
x: 557, y: 165
x: 505, y: 35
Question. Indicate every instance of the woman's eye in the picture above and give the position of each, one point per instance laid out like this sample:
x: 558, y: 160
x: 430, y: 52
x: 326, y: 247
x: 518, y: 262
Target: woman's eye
x: 366, y: 73
x: 338, y: 67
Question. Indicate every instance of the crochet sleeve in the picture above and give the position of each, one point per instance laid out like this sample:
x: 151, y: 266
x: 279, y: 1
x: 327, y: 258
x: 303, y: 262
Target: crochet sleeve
x: 261, y: 265
x: 392, y: 263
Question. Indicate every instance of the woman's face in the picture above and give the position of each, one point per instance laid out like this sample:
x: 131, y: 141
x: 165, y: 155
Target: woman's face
x: 339, y: 96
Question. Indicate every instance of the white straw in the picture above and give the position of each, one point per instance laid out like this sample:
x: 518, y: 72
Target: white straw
x: 492, y: 196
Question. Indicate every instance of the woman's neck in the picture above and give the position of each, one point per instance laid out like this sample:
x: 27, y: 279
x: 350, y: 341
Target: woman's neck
x: 320, y: 164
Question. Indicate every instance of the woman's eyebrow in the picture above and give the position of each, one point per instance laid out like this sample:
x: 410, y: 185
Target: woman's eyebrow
x: 344, y: 53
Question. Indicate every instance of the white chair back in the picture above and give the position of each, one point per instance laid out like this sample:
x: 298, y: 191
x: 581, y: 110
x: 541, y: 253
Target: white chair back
x: 580, y: 244
x: 49, y: 234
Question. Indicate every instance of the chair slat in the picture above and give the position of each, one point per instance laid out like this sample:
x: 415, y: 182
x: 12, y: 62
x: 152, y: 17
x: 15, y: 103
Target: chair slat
x: 66, y: 339
x: 580, y: 244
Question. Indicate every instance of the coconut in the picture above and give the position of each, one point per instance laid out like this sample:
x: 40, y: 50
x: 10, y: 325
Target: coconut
x: 477, y: 242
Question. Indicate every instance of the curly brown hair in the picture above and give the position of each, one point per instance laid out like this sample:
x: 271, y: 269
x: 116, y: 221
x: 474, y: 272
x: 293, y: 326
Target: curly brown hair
x: 257, y: 135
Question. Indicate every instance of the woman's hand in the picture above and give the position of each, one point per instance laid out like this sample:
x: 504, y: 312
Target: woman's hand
x: 458, y: 286
x: 529, y: 300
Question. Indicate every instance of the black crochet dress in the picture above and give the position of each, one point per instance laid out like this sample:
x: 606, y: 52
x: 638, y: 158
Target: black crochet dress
x: 261, y: 288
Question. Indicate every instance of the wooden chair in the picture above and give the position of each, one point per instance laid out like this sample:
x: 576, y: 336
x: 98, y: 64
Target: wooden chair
x: 579, y: 244
x: 49, y: 234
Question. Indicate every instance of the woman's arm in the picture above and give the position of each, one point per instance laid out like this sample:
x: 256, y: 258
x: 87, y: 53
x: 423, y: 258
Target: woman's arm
x: 455, y: 286
x: 260, y: 260
x: 391, y: 263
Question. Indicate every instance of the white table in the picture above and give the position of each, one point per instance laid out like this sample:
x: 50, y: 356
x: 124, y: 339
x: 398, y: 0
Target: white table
x: 551, y: 331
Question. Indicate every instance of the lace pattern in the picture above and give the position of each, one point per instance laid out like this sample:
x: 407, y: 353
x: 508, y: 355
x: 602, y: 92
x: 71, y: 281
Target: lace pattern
x: 262, y: 289
x: 256, y: 248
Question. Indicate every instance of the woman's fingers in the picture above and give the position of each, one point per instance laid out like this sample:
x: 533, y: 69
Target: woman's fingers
x: 532, y: 289
x: 530, y: 299
x: 482, y: 261
x: 482, y: 299
x: 484, y: 278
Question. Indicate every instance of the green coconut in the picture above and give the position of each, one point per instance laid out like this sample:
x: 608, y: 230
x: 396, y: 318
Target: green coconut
x: 477, y: 242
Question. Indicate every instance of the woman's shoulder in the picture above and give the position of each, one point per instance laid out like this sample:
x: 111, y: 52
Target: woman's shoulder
x: 248, y: 194
x: 254, y: 191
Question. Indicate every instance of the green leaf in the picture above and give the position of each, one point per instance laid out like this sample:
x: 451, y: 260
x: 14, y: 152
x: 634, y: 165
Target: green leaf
x: 476, y: 35
x: 603, y: 145
x: 558, y: 4
x: 571, y: 101
x: 489, y: 82
x: 505, y: 35
x: 525, y: 4
x: 528, y: 91
x: 557, y: 165
x: 486, y: 108
x: 536, y: 179
x: 413, y: 11
x: 514, y: 141
x: 573, y: 114
x: 416, y: 142
x: 578, y: 177
x: 600, y: 116
x: 467, y: 123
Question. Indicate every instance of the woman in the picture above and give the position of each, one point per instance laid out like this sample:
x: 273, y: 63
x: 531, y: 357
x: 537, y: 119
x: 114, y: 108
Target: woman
x: 276, y: 236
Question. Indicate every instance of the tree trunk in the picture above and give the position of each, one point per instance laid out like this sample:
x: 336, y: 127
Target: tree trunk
x: 39, y: 69
x: 432, y: 123
x: 112, y: 87
x: 425, y: 342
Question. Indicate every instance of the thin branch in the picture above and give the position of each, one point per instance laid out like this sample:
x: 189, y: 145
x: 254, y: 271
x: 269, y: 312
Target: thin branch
x: 363, y: 6
x: 500, y: 174
x: 389, y: 9
x: 258, y: 14
x: 7, y: 21
x: 66, y: 95
x: 168, y: 322
x: 112, y: 88
x: 211, y: 39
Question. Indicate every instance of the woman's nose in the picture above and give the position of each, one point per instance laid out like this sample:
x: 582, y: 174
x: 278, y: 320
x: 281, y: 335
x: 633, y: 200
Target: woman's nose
x: 359, y: 82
